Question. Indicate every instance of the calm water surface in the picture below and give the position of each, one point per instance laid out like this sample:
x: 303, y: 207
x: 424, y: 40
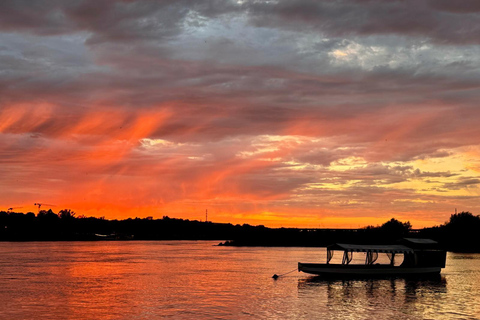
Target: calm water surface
x: 197, y: 280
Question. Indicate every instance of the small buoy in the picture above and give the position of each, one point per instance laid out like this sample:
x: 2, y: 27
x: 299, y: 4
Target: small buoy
x: 276, y: 276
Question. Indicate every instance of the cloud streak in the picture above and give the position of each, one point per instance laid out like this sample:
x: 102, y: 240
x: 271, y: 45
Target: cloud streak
x: 293, y: 113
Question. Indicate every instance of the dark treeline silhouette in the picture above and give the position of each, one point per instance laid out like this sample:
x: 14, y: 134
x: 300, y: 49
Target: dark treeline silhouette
x: 460, y: 233
x: 50, y: 226
x: 389, y: 232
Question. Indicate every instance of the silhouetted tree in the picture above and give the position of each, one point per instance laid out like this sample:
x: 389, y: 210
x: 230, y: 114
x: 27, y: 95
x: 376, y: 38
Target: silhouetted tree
x: 30, y: 215
x: 49, y: 215
x: 463, y: 221
x: 66, y: 214
x: 395, y: 228
x: 462, y: 232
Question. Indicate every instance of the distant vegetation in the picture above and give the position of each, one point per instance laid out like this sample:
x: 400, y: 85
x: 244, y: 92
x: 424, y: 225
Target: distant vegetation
x: 66, y: 225
x: 460, y: 233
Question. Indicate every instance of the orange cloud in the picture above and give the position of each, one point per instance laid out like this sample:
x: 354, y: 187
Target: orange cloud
x: 256, y: 124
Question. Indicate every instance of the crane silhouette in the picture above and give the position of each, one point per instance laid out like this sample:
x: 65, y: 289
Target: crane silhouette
x: 43, y: 204
x: 12, y: 208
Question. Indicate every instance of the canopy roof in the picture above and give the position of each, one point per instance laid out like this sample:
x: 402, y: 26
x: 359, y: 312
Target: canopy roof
x: 393, y: 248
x: 420, y: 241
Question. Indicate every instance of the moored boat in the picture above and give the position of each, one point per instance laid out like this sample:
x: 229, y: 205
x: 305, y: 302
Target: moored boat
x: 420, y: 257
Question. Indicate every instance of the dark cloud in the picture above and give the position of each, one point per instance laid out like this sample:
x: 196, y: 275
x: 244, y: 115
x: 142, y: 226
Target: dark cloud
x: 462, y: 183
x: 440, y: 23
x: 254, y: 105
x: 108, y: 21
x: 462, y: 6
x: 425, y: 174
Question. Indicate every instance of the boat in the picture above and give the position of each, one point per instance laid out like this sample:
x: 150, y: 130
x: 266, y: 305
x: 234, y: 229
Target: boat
x: 420, y: 257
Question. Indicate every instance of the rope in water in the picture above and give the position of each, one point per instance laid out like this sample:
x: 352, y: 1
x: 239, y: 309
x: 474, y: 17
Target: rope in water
x: 275, y: 276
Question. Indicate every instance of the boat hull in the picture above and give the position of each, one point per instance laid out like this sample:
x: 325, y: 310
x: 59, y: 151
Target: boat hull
x: 363, y: 270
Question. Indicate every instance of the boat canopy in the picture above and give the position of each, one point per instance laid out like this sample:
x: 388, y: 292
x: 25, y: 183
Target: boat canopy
x: 371, y: 251
x: 394, y: 248
x: 420, y: 241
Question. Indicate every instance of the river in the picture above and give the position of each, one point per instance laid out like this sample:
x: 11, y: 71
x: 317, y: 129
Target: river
x: 198, y: 280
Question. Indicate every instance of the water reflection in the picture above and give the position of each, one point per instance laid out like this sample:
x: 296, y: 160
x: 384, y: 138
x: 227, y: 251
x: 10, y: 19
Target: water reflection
x: 405, y: 297
x: 195, y: 280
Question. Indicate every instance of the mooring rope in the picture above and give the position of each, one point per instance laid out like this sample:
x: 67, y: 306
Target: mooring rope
x: 275, y: 276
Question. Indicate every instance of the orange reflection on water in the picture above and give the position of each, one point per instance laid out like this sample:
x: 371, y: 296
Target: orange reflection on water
x: 195, y: 279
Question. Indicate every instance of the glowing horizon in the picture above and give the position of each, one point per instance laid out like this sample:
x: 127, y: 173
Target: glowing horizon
x: 256, y: 111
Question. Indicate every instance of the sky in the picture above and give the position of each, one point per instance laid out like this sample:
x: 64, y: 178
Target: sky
x: 317, y: 114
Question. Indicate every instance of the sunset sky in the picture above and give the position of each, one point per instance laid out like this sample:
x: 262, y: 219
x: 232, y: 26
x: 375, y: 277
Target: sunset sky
x: 284, y: 113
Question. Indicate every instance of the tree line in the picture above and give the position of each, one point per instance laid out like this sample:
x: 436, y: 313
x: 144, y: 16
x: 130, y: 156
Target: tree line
x: 460, y: 233
x: 67, y: 225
